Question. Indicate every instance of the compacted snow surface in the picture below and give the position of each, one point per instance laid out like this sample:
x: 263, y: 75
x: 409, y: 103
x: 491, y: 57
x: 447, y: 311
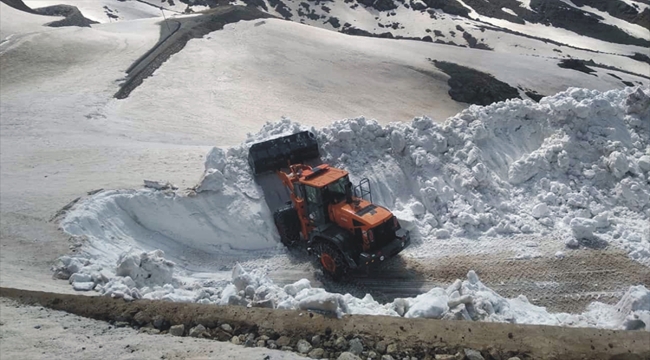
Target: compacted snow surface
x: 575, y: 166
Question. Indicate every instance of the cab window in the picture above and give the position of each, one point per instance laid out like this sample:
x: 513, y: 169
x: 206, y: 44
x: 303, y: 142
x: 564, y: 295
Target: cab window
x: 312, y: 194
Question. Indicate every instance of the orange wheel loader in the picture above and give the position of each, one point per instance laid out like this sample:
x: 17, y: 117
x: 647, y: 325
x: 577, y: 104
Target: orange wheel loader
x: 337, y: 220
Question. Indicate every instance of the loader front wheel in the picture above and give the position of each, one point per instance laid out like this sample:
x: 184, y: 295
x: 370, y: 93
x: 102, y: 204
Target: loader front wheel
x: 332, y: 261
x: 288, y: 225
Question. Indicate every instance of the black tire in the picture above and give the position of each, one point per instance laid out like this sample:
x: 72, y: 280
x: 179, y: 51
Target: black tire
x: 331, y: 260
x: 288, y: 224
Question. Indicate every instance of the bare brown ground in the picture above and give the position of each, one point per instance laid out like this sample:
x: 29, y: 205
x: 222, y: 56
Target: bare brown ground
x: 414, y: 337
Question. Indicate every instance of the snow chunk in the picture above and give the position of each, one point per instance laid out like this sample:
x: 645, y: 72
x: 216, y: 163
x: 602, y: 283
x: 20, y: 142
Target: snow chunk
x: 432, y: 305
x: 146, y: 269
x: 540, y: 210
x: 617, y: 164
x: 212, y: 180
x: 298, y: 286
x: 583, y: 228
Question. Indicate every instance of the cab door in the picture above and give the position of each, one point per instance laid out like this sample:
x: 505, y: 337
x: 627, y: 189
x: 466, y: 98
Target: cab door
x: 316, y: 213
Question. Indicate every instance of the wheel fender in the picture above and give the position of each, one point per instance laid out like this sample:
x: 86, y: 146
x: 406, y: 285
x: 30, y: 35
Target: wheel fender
x: 340, y: 241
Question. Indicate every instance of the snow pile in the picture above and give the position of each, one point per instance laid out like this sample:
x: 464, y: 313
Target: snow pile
x: 150, y: 276
x: 146, y: 268
x: 575, y: 165
x: 229, y: 217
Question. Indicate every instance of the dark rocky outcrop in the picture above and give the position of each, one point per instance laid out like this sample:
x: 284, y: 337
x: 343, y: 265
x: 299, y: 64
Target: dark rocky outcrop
x: 451, y: 7
x: 334, y: 21
x: 73, y: 17
x: 475, y: 87
x: 640, y: 57
x: 381, y: 5
x: 577, y: 64
x: 474, y: 43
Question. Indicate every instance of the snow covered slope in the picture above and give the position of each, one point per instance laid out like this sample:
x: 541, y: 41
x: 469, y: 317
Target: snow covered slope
x: 624, y: 31
x: 263, y: 70
x: 13, y: 21
x: 106, y: 11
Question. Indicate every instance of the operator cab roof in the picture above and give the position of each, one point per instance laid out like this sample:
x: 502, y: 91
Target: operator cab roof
x: 321, y: 175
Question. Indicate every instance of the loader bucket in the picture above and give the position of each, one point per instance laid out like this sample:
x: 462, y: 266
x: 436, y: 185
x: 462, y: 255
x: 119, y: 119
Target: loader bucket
x: 275, y: 154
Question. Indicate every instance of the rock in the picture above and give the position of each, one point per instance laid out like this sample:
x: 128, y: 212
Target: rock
x: 249, y: 343
x: 236, y: 300
x: 572, y: 243
x: 418, y: 5
x: 197, y: 331
x: 317, y: 353
x: 283, y: 341
x: 356, y: 346
x: 514, y: 358
x: 381, y: 346
x: 316, y: 340
x: 348, y: 356
x: 235, y: 340
x: 386, y: 357
x: 159, y: 322
x: 372, y: 355
x: 159, y: 185
x: 473, y: 355
x: 226, y: 328
x: 391, y: 349
x: 149, y: 331
x: 494, y: 353
x: 303, y: 346
x: 341, y: 343
x: 272, y: 345
x: 445, y: 357
x: 141, y: 318
x: 177, y: 330
x: 260, y: 343
x: 268, y: 303
x: 286, y: 348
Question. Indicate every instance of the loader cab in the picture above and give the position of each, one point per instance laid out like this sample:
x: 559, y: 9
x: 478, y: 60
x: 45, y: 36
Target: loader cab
x: 321, y: 189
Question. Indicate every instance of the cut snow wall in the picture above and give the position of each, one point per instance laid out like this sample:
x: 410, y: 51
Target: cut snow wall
x: 577, y: 164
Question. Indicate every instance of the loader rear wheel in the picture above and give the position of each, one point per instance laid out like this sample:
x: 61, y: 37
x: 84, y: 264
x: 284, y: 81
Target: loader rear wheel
x: 332, y: 261
x: 288, y: 225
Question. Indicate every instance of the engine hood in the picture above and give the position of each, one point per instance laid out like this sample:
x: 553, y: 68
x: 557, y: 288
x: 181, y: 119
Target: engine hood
x: 365, y: 212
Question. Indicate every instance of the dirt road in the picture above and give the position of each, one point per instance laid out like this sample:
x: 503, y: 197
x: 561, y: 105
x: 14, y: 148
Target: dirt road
x: 562, y: 284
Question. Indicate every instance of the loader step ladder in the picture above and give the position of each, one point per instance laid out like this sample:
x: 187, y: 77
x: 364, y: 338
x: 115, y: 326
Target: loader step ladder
x: 363, y: 190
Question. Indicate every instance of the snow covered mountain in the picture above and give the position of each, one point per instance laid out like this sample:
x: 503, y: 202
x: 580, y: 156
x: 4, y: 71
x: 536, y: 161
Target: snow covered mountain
x: 133, y: 91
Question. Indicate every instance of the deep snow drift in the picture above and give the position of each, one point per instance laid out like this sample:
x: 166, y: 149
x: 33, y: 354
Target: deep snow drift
x: 575, y: 165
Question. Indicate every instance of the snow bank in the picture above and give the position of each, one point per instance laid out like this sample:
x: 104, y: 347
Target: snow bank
x: 575, y: 165
x: 467, y: 300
